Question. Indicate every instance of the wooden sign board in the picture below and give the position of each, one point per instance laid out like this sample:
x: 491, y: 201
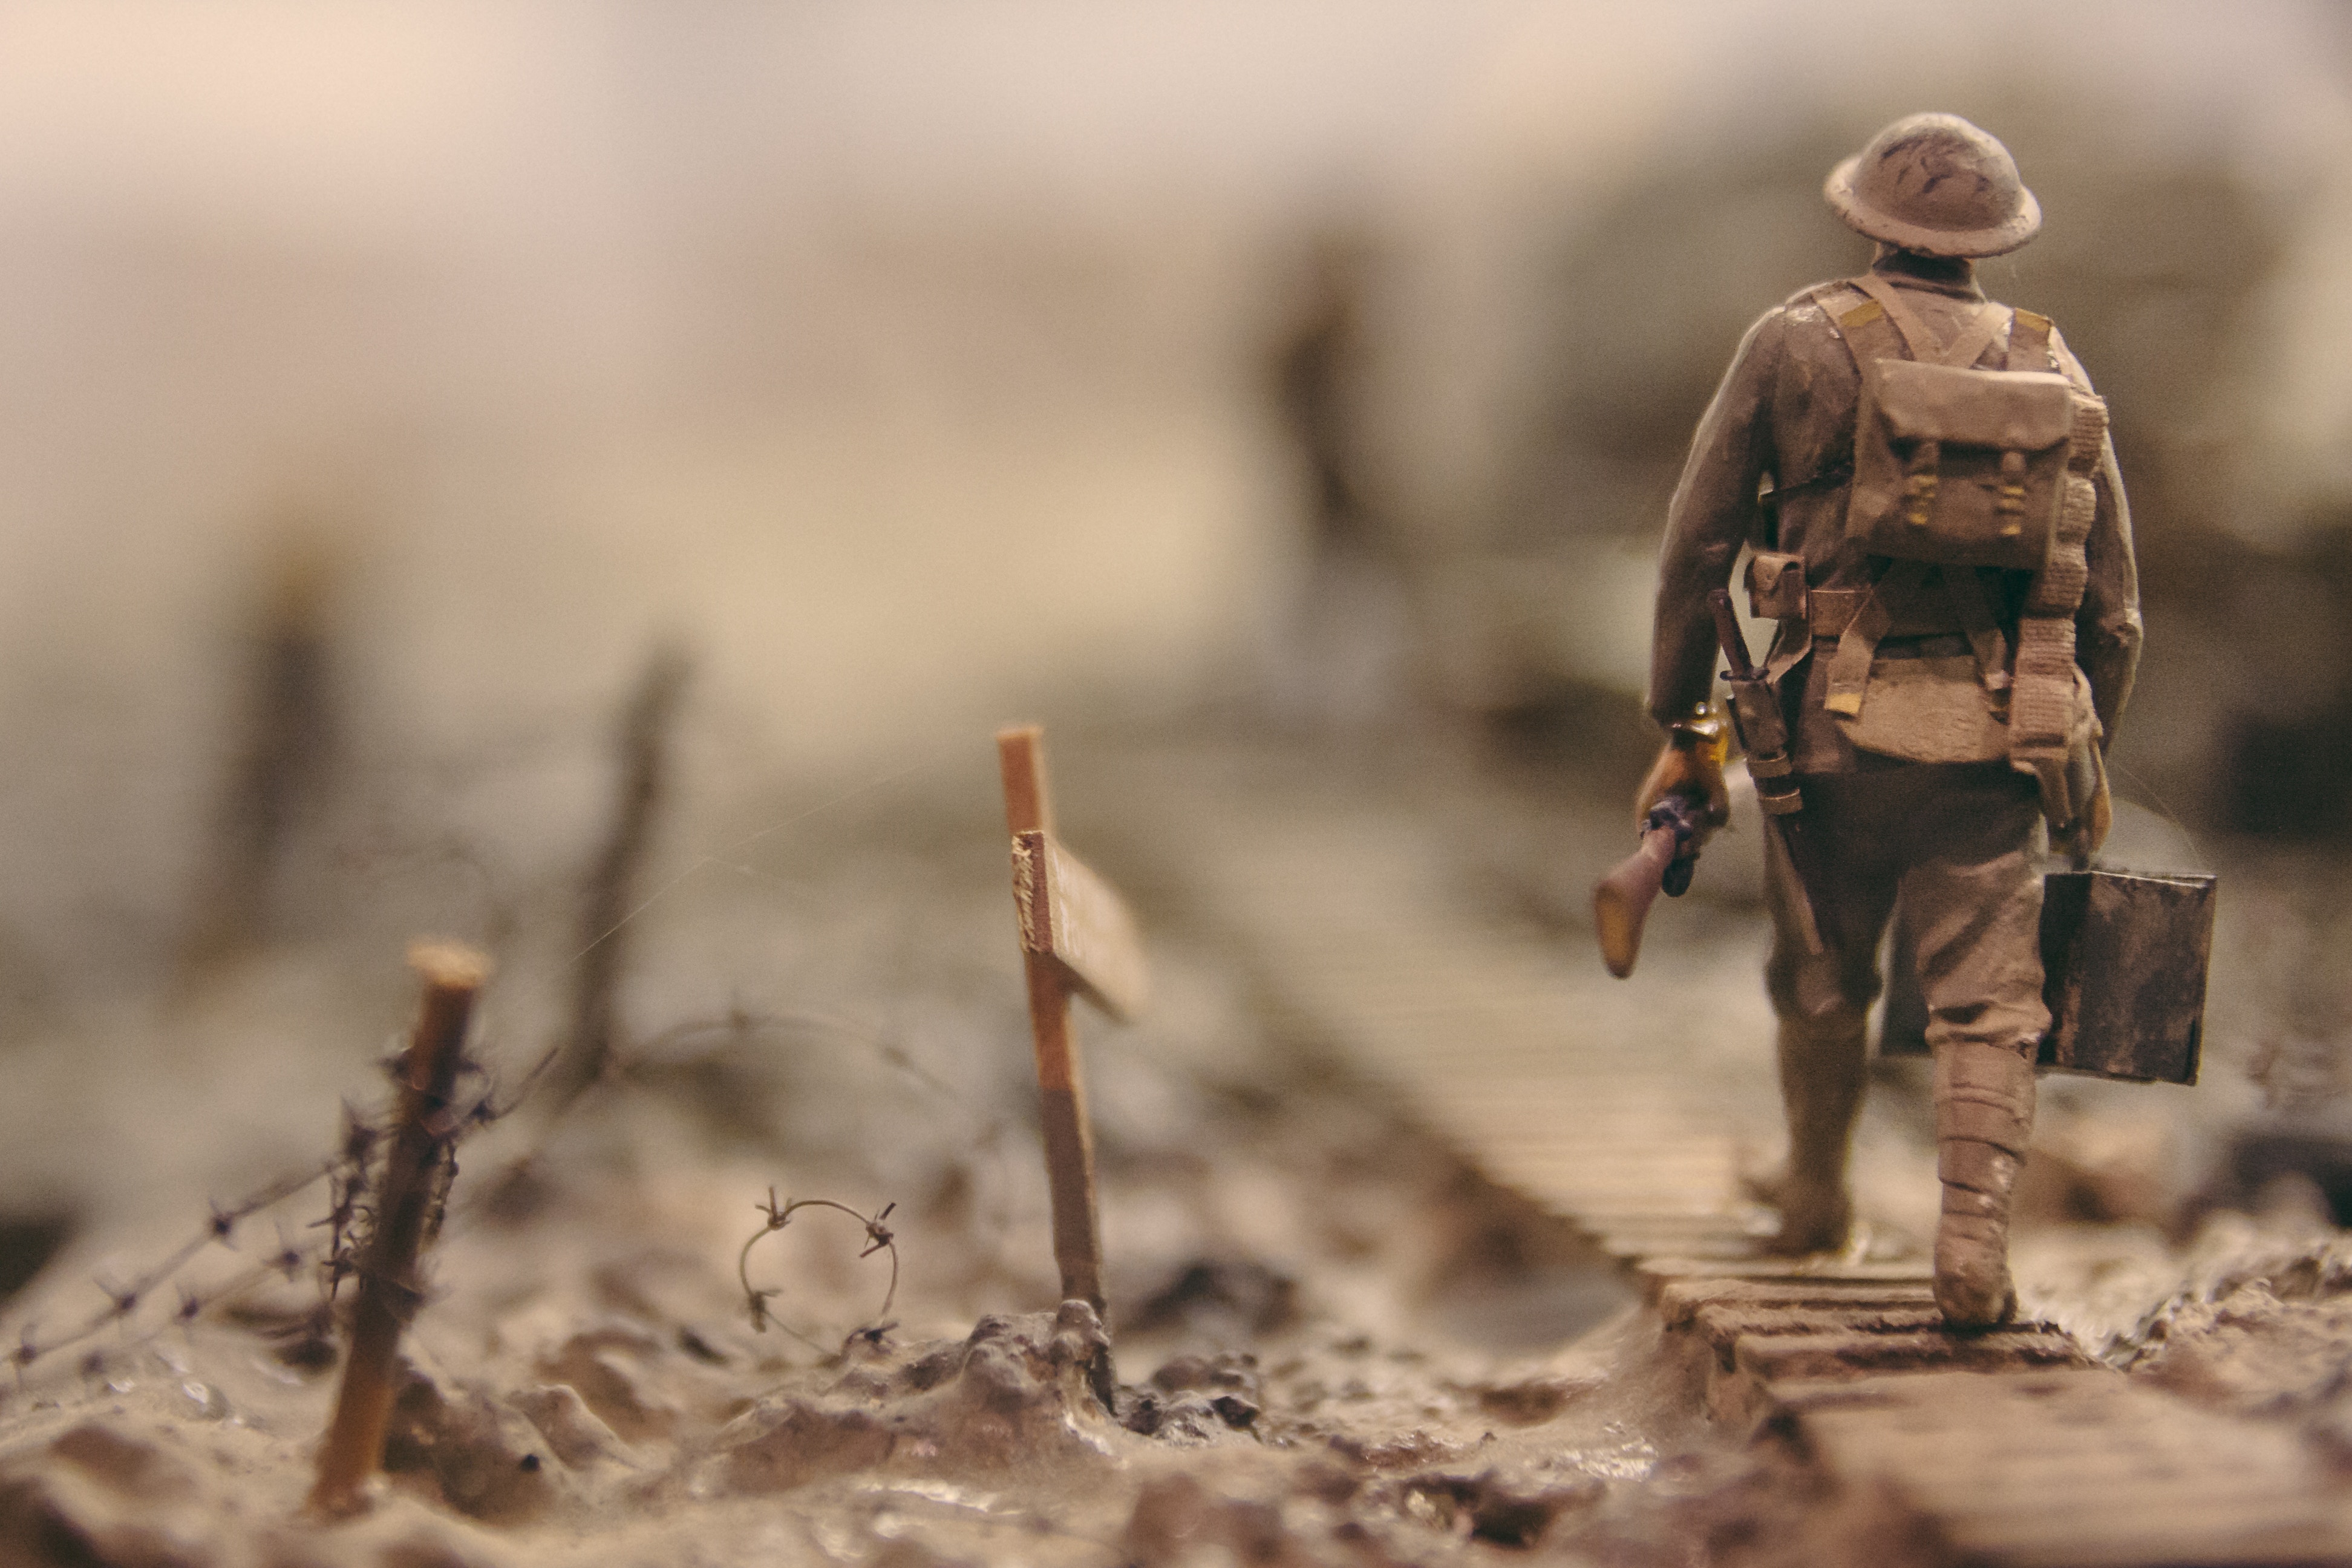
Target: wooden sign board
x: 1070, y: 913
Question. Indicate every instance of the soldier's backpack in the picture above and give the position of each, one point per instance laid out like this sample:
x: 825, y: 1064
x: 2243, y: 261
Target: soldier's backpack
x: 1955, y: 465
x: 1958, y: 469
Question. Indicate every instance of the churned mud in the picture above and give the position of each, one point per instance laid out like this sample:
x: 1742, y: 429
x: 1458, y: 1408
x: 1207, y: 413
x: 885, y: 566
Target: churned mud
x: 1329, y: 1340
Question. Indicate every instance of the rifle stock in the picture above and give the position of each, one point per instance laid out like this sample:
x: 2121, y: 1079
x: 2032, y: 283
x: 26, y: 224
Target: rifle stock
x: 1621, y: 900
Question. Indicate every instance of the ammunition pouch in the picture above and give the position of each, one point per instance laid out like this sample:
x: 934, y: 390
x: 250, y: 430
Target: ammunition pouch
x: 1776, y: 586
x: 2053, y: 732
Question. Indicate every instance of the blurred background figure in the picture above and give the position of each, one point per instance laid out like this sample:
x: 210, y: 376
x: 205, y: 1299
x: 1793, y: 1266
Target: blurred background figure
x: 278, y: 786
x: 1342, y: 654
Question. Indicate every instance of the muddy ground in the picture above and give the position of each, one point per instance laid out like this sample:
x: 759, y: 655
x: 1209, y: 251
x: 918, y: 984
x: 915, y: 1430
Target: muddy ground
x: 1329, y: 1339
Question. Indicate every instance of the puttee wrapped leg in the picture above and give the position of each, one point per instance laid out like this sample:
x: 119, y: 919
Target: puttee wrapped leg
x: 1984, y: 1121
x: 1821, y: 1078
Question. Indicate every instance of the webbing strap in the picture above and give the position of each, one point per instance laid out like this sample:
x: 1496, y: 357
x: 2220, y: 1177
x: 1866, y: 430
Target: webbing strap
x: 1924, y: 345
x: 1871, y: 334
x: 1965, y: 587
x: 1975, y: 336
x: 1792, y: 642
x: 1858, y: 643
x: 2029, y: 341
x: 1874, y: 329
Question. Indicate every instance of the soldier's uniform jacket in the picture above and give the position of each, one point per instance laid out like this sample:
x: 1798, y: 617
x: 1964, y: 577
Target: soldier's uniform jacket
x: 1771, y: 467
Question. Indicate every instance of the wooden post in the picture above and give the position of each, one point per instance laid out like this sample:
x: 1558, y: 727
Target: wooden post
x: 1069, y: 1138
x: 611, y: 894
x: 388, y: 1288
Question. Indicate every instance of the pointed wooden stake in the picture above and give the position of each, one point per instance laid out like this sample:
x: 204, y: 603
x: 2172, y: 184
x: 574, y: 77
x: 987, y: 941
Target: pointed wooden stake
x: 1076, y: 936
x: 388, y: 1289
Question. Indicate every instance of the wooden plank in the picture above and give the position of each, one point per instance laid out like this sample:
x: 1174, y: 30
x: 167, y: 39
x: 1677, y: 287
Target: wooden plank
x: 1656, y: 1272
x: 1768, y: 1357
x: 2077, y: 1468
x: 2200, y: 1530
x: 1682, y: 1299
x: 1722, y: 1324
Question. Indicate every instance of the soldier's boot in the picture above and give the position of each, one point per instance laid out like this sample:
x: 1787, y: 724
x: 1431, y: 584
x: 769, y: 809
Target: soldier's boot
x: 1821, y: 1077
x: 1984, y: 1119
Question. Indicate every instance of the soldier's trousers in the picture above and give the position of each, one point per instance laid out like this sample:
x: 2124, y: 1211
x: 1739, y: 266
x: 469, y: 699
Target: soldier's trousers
x: 1959, y: 844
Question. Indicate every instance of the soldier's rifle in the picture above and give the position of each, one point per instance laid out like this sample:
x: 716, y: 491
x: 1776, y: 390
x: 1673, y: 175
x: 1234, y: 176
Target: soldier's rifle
x: 1663, y: 864
x: 1672, y: 830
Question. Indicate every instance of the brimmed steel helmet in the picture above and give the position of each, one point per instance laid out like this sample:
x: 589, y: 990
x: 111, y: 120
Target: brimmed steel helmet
x: 1935, y: 184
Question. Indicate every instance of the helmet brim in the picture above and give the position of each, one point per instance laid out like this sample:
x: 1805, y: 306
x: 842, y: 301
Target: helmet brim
x: 1863, y: 218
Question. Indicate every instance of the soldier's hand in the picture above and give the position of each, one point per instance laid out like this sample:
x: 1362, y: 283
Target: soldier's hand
x: 2099, y: 818
x: 1691, y: 765
x: 2081, y: 837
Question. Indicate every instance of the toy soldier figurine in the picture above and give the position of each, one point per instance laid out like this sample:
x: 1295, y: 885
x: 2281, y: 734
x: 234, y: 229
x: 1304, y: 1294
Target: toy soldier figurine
x: 1925, y: 483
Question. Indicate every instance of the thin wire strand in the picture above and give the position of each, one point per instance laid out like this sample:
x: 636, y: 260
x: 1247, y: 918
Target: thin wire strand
x: 722, y: 858
x: 2195, y: 850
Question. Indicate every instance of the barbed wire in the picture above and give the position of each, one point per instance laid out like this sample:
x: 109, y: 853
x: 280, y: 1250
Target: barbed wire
x: 348, y: 1175
x: 348, y: 1172
x: 879, y: 1238
x: 123, y: 1301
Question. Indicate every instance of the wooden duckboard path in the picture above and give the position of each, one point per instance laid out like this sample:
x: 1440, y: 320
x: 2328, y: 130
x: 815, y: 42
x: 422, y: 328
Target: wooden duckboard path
x: 2075, y: 1470
x: 2011, y: 1447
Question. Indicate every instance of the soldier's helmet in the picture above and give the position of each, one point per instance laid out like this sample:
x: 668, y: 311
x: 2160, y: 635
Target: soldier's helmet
x: 1935, y: 184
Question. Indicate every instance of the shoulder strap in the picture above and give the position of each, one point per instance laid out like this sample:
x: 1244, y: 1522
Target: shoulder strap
x: 1857, y: 646
x: 1834, y: 299
x: 1870, y: 333
x: 1916, y: 334
x: 2029, y: 341
x: 1977, y: 336
x: 1964, y: 586
x: 1963, y: 351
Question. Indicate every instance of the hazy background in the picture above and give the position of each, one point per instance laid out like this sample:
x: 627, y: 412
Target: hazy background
x: 916, y: 365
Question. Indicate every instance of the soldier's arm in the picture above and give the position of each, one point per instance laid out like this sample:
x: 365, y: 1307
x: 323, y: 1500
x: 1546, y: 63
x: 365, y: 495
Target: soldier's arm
x: 2107, y: 625
x: 1713, y: 512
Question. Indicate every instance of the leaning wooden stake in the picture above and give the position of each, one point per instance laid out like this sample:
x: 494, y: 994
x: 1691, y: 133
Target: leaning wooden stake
x: 611, y: 894
x: 389, y: 1289
x: 1075, y: 935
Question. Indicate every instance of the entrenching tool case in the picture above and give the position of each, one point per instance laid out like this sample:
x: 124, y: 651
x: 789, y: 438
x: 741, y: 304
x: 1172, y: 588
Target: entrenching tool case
x: 2124, y: 959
